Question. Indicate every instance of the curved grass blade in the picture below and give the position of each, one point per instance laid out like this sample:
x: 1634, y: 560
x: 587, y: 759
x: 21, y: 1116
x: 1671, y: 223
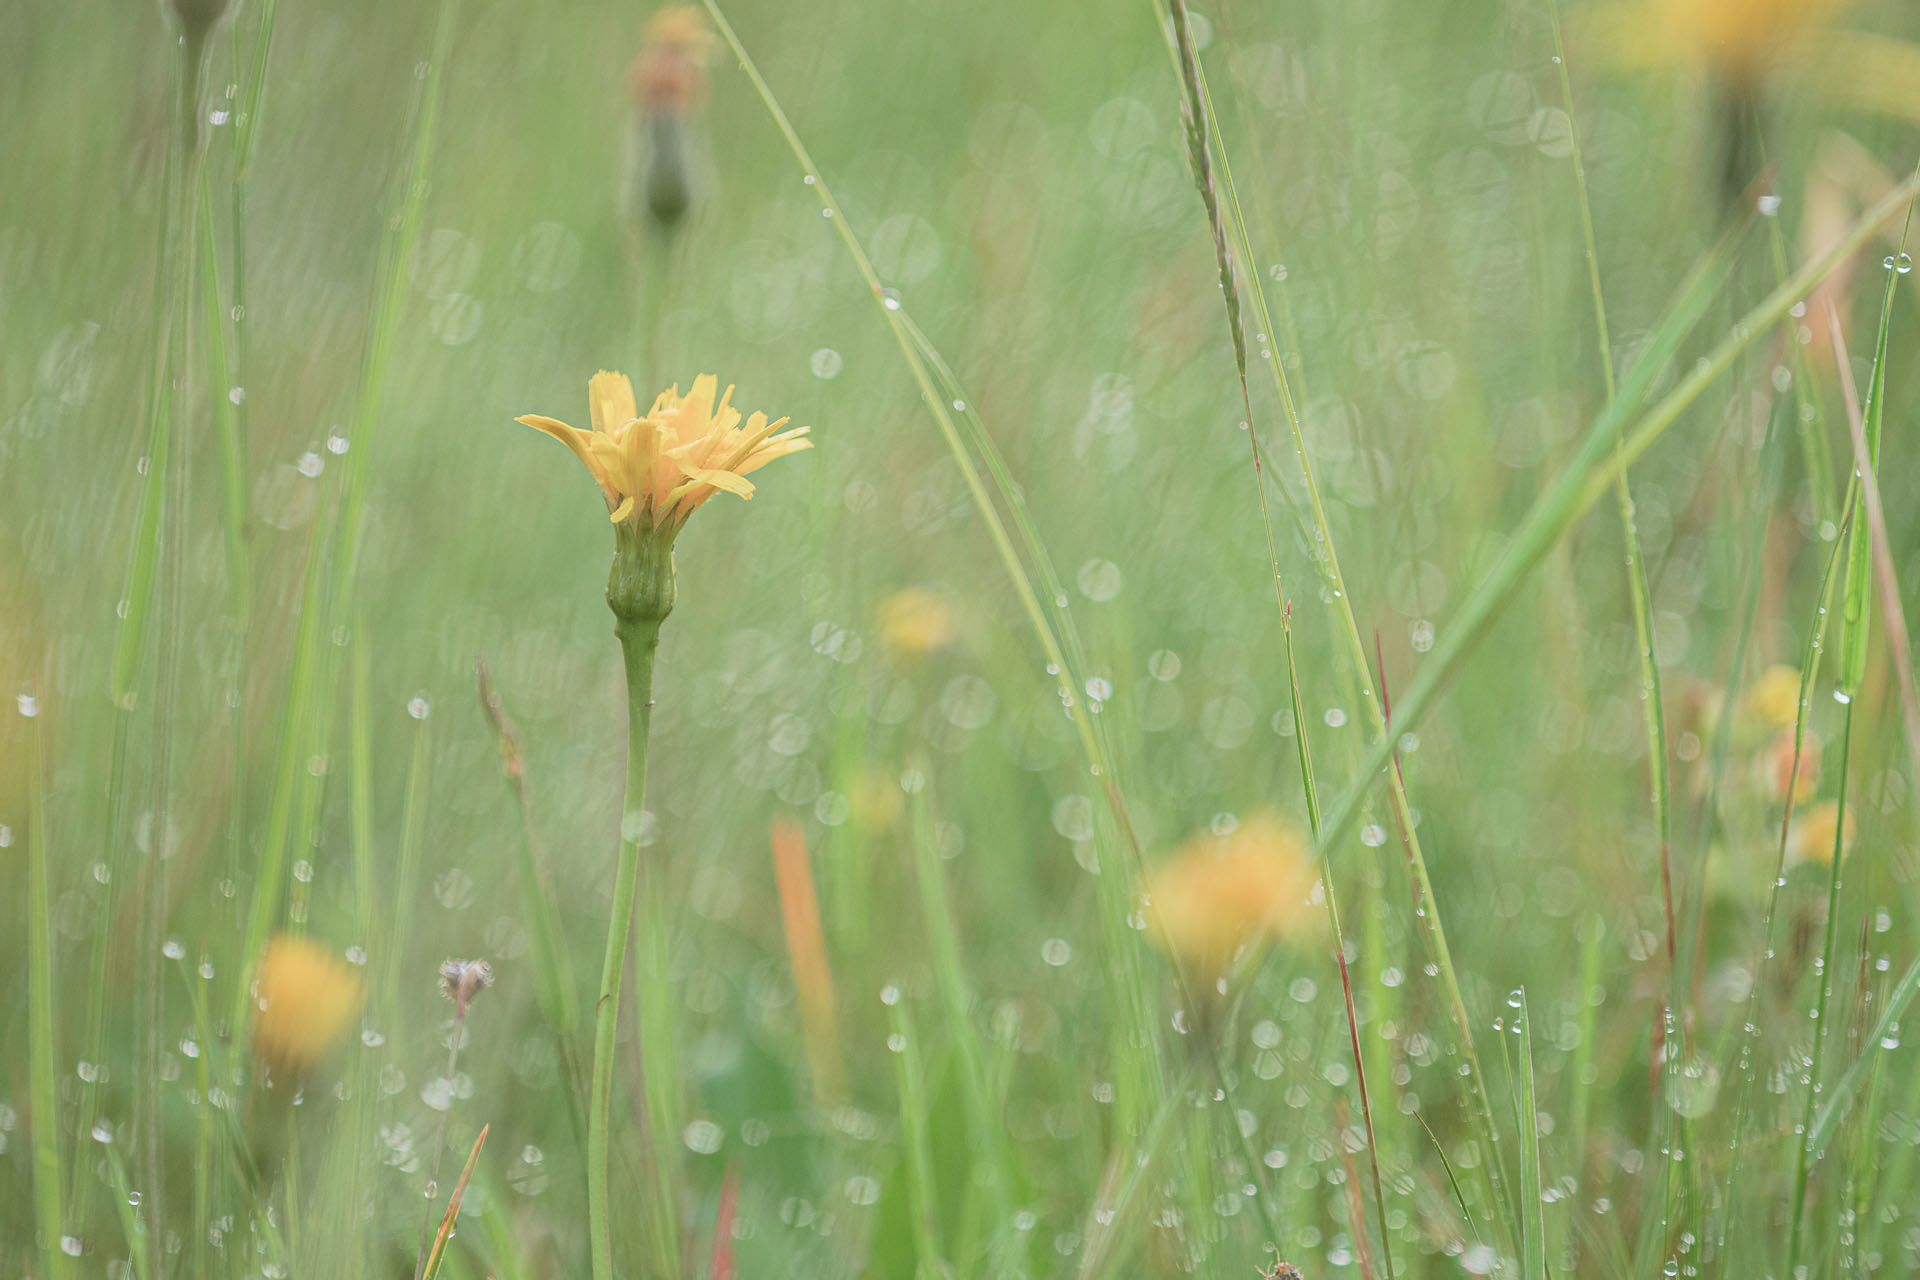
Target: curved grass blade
x: 1588, y: 475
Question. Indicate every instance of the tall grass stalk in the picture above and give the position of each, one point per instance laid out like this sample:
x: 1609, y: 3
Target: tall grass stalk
x: 1856, y: 622
x: 1061, y: 647
x: 1064, y: 655
x: 1321, y: 546
x: 915, y: 1108
x: 1533, y: 1223
x: 639, y: 636
x: 42, y: 1070
x: 1195, y: 112
x: 1651, y: 701
x: 173, y: 263
x: 314, y: 675
x: 553, y: 970
x: 1589, y: 475
x: 1803, y: 1153
x: 943, y: 936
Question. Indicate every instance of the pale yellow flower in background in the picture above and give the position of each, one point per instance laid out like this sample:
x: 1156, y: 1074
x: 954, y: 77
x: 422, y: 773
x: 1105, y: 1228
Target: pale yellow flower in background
x: 1748, y: 43
x: 671, y: 71
x: 1777, y: 766
x: 1811, y: 836
x: 1772, y: 701
x: 916, y: 622
x: 305, y: 1000
x: 658, y: 469
x: 1740, y: 39
x: 875, y: 798
x: 1220, y: 893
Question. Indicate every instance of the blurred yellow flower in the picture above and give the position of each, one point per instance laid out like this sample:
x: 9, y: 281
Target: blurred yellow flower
x: 915, y: 622
x: 671, y: 72
x: 875, y: 798
x: 1740, y: 39
x: 1811, y: 837
x: 1777, y: 766
x: 657, y: 470
x: 1773, y: 699
x: 304, y: 1000
x: 1220, y: 893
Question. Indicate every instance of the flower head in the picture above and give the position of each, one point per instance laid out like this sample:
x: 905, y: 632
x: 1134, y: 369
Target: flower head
x: 462, y: 980
x: 671, y: 72
x: 1739, y: 39
x: 1815, y: 831
x: 1773, y: 699
x: 304, y: 1000
x: 1221, y: 893
x: 1783, y: 763
x: 657, y: 470
x: 915, y: 622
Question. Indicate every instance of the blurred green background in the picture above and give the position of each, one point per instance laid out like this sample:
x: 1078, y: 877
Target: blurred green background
x: 1018, y: 174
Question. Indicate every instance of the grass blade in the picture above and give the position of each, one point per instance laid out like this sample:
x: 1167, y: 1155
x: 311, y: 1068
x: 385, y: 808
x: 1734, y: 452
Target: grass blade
x: 439, y: 1252
x: 1840, y: 1095
x: 42, y: 1071
x: 1533, y: 1213
x: 1587, y: 476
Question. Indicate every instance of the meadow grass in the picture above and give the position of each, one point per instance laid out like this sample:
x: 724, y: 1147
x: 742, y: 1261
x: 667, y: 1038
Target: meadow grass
x: 1607, y: 816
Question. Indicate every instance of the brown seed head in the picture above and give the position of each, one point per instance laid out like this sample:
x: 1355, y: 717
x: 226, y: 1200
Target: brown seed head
x: 461, y: 980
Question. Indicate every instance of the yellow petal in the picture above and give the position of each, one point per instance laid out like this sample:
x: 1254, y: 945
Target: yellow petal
x: 614, y: 464
x: 622, y: 511
x: 611, y: 397
x: 719, y: 479
x: 577, y: 440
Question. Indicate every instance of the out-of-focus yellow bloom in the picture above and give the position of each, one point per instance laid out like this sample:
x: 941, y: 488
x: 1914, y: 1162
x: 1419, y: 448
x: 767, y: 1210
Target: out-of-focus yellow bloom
x: 304, y: 1000
x: 1740, y: 39
x: 876, y: 799
x: 657, y: 470
x: 915, y: 622
x: 671, y: 72
x: 1773, y: 700
x: 1220, y: 893
x: 1811, y: 837
x: 669, y: 83
x: 1776, y: 767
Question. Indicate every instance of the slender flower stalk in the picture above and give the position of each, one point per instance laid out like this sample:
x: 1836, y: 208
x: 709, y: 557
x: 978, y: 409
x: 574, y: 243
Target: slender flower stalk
x: 654, y: 471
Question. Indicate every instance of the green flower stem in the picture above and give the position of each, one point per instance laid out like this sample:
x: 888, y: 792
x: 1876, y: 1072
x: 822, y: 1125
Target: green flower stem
x: 640, y: 592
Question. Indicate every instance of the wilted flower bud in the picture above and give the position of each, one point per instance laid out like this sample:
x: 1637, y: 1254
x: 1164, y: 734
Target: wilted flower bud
x: 669, y: 84
x: 304, y: 1000
x: 461, y: 980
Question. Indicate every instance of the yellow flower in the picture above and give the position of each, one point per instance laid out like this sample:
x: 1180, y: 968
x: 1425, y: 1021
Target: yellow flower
x: 1220, y: 893
x: 1811, y: 837
x: 876, y: 799
x: 671, y: 72
x: 1777, y: 765
x: 1740, y: 39
x: 1773, y: 699
x: 657, y: 470
x: 915, y: 622
x: 304, y: 1001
